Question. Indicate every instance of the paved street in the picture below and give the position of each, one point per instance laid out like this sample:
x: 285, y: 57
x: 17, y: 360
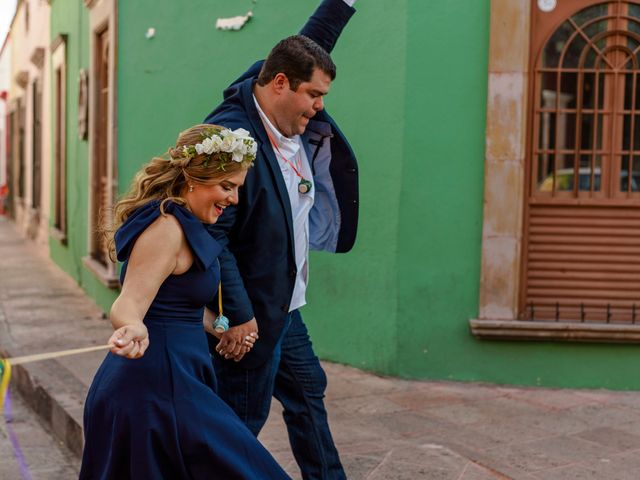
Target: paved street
x: 385, y: 428
x: 46, y: 457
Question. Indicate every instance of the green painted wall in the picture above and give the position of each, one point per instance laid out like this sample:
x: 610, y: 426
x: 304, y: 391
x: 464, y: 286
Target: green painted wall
x: 173, y: 80
x: 440, y: 216
x: 411, y: 97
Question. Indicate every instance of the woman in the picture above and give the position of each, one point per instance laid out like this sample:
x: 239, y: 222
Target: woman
x: 152, y: 411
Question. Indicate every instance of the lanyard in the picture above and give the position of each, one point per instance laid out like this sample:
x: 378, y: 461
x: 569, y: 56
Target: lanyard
x: 220, y: 298
x: 305, y: 185
x: 298, y: 161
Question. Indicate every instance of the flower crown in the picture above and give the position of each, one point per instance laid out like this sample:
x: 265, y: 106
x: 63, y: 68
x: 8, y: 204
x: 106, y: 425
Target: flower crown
x: 228, y: 146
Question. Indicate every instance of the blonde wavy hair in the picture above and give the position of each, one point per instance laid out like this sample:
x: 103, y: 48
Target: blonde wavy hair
x: 165, y: 178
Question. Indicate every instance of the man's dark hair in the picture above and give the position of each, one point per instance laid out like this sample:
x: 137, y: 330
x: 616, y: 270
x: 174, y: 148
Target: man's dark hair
x: 296, y: 56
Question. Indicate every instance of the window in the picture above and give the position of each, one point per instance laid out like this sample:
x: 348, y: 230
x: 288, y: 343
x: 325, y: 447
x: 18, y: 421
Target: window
x: 100, y: 191
x: 102, y: 127
x: 581, y: 257
x: 564, y: 119
x: 36, y: 144
x: 587, y: 110
x: 20, y: 149
x: 59, y: 220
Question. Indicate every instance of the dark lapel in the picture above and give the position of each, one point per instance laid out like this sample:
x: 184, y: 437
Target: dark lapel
x: 267, y: 153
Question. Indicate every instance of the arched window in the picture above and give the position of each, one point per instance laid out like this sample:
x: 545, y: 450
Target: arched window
x: 587, y: 107
x: 561, y: 256
x: 582, y: 221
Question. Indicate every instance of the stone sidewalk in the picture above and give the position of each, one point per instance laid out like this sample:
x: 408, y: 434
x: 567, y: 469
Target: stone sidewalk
x: 385, y: 428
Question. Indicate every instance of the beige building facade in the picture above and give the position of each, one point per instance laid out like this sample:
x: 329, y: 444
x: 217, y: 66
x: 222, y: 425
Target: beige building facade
x: 28, y: 103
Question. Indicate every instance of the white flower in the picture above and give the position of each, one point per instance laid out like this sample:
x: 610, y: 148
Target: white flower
x: 238, y: 156
x: 238, y: 143
x: 216, y: 141
x: 241, y: 133
x: 229, y: 143
x: 207, y: 145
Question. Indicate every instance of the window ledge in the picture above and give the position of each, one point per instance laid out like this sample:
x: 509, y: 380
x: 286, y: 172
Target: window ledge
x: 108, y: 278
x: 58, y: 235
x: 566, y: 331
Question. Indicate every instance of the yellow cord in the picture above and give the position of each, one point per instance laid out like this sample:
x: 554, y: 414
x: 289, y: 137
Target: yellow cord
x: 220, y: 299
x: 5, y: 366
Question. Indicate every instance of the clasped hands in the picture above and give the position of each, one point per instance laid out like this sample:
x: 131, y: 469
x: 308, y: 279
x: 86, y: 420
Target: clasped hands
x: 238, y: 340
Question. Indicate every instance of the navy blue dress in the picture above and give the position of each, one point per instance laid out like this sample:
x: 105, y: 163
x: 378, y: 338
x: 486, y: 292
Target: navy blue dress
x: 158, y: 417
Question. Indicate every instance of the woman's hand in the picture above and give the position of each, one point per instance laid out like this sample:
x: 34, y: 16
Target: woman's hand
x: 130, y: 341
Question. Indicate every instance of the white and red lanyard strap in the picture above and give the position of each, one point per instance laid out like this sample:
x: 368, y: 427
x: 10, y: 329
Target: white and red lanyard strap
x: 305, y: 185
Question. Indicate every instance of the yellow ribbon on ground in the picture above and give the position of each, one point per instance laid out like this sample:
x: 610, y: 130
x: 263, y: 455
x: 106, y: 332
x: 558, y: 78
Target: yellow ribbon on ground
x: 5, y: 376
x: 5, y: 365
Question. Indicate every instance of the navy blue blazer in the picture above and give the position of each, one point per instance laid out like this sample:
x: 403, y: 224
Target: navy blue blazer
x: 258, y: 266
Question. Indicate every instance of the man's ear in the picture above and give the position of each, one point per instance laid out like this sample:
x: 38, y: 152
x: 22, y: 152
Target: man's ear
x: 280, y: 82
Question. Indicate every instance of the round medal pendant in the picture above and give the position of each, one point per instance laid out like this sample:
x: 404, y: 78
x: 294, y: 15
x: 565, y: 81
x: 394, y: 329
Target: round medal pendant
x: 221, y: 324
x: 304, y: 186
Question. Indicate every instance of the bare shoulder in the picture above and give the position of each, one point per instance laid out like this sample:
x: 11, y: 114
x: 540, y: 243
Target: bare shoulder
x: 164, y: 235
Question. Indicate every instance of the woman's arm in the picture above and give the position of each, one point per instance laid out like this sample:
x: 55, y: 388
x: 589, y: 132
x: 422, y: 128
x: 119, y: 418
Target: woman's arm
x: 158, y: 252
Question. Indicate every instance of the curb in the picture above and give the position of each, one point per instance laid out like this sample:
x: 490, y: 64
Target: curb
x: 60, y: 411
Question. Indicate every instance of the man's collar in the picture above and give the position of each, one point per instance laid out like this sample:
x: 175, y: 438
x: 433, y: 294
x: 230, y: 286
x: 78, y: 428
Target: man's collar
x: 274, y: 132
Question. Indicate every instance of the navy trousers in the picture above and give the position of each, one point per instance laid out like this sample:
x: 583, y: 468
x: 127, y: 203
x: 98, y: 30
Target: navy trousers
x: 295, y: 377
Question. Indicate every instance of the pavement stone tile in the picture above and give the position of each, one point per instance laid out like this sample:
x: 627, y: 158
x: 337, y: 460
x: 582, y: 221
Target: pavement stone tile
x: 56, y: 473
x: 373, y: 448
x: 366, y: 405
x: 560, y: 422
x: 603, y: 396
x: 599, y: 415
x: 580, y: 472
x: 458, y: 414
x: 510, y: 430
x: 462, y: 439
x: 409, y: 471
x: 358, y: 467
x: 623, y: 461
x: 483, y: 411
x: 572, y: 448
x: 422, y: 399
x: 395, y: 425
x: 621, y: 399
x: 47, y: 463
x: 468, y: 391
x: 9, y: 470
x: 613, y: 438
x: 550, y: 399
x: 428, y: 454
x: 373, y: 384
x: 475, y: 472
x: 520, y: 460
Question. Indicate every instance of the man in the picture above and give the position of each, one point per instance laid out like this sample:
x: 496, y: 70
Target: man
x: 302, y: 193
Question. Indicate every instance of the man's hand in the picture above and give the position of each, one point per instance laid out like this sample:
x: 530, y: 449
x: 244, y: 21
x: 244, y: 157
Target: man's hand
x: 238, y: 340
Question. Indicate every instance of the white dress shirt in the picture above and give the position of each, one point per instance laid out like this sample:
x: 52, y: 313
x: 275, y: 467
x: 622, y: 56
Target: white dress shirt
x: 292, y: 149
